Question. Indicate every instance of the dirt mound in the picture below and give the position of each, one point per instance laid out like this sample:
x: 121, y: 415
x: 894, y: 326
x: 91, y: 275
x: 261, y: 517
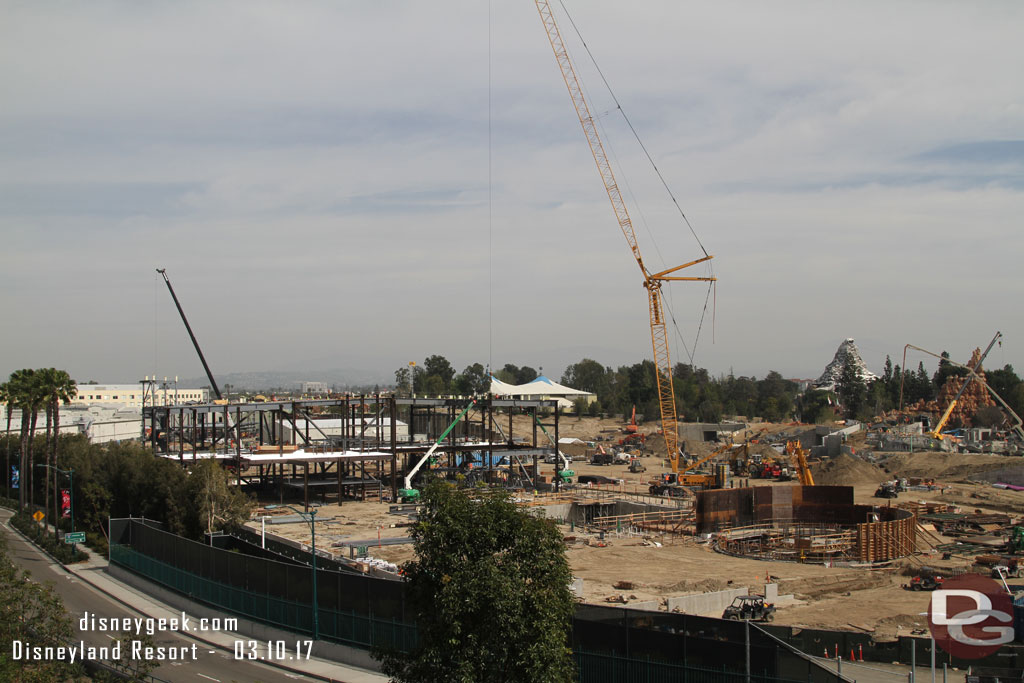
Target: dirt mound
x: 847, y: 470
x: 702, y: 586
x: 947, y: 466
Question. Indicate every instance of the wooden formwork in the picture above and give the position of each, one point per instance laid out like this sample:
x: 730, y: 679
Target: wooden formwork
x: 880, y: 541
x: 667, y: 521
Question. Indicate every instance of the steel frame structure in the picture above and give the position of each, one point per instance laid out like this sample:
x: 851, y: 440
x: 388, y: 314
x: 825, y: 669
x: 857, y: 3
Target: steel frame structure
x: 191, y: 431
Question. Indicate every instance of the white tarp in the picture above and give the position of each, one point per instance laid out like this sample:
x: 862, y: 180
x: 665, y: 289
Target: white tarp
x: 542, y: 386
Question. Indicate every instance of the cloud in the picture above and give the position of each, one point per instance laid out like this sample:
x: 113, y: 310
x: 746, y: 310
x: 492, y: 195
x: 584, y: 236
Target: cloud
x: 380, y: 181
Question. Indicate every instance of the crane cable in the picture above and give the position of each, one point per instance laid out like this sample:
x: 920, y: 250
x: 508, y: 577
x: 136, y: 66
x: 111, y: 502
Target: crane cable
x: 618, y: 107
x: 631, y: 128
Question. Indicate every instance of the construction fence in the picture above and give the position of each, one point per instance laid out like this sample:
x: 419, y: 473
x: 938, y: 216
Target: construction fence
x: 610, y: 644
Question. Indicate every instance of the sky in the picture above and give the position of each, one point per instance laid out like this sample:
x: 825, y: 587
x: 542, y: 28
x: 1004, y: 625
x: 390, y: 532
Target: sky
x: 360, y: 185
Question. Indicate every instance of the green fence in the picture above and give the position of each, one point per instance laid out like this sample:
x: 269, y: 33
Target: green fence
x: 339, y: 626
x: 599, y: 667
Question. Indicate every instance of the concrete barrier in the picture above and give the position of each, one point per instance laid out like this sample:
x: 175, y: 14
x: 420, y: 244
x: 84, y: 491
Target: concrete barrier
x: 705, y: 604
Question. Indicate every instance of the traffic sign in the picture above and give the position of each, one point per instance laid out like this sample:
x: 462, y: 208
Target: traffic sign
x: 38, y: 516
x: 76, y: 537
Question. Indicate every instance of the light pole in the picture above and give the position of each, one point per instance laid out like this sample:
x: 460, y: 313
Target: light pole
x: 71, y: 495
x: 312, y: 531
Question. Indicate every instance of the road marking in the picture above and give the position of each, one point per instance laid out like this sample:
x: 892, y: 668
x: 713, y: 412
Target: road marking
x: 216, y: 680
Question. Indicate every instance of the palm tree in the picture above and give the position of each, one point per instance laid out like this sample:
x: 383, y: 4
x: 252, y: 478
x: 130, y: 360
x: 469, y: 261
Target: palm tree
x: 46, y: 378
x: 61, y: 389
x: 19, y: 387
x: 5, y: 398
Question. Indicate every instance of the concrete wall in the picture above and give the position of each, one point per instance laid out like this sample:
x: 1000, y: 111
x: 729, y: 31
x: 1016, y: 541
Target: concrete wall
x: 705, y: 604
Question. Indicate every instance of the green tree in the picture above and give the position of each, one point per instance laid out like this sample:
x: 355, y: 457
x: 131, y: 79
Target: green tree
x: 403, y: 381
x: 28, y: 393
x: 214, y: 505
x: 851, y: 388
x: 816, y: 407
x: 473, y: 380
x: 526, y: 375
x: 5, y: 398
x: 586, y: 375
x: 945, y: 371
x: 490, y: 587
x: 1008, y: 386
x: 439, y: 367
x: 30, y: 612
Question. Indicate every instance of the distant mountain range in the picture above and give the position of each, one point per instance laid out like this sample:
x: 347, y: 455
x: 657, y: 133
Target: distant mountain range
x: 340, y: 379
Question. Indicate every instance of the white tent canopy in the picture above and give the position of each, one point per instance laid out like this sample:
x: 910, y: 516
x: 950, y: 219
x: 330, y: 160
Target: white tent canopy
x: 540, y: 388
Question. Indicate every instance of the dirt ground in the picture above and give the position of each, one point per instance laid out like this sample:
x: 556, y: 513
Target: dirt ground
x: 844, y: 598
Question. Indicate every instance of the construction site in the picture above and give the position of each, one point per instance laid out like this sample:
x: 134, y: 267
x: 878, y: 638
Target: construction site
x: 842, y: 527
x: 756, y: 515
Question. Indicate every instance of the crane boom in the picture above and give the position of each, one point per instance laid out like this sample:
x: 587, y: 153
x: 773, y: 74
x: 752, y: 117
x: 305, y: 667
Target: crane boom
x: 653, y: 283
x: 209, y: 375
x: 971, y: 374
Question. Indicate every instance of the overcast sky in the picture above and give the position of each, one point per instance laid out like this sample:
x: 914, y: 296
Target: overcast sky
x: 358, y: 185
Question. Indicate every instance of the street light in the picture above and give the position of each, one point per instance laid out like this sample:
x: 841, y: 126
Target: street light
x: 71, y: 494
x: 312, y: 530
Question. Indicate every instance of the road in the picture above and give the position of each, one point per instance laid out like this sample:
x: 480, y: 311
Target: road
x: 209, y: 663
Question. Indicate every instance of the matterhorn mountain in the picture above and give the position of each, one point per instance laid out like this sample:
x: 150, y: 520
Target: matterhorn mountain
x: 834, y: 370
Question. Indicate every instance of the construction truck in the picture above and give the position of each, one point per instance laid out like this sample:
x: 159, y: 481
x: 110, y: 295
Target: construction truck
x: 602, y: 457
x: 749, y: 608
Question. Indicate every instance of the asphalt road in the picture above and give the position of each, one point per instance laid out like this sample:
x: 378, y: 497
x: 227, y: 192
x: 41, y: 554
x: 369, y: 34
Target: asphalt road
x: 209, y: 663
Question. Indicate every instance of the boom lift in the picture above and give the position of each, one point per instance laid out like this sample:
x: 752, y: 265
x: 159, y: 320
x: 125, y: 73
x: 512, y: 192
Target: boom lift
x: 410, y: 495
x: 652, y: 281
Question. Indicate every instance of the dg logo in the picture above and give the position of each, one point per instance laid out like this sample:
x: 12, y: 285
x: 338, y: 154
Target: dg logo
x: 971, y: 616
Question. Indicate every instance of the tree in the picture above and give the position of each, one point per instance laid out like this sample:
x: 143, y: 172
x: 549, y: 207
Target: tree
x: 5, y: 398
x: 816, y: 407
x: 439, y: 367
x: 214, y: 504
x: 403, y: 381
x: 490, y: 588
x: 587, y: 375
x: 473, y: 380
x: 30, y: 612
x: 525, y: 375
x: 945, y: 371
x: 851, y: 388
x: 28, y: 394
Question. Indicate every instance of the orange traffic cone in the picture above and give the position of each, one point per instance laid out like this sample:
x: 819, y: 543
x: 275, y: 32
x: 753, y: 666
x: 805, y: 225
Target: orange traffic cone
x: 826, y: 653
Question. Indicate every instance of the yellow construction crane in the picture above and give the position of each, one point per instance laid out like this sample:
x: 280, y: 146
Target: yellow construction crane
x: 936, y: 433
x: 652, y: 281
x: 799, y: 456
